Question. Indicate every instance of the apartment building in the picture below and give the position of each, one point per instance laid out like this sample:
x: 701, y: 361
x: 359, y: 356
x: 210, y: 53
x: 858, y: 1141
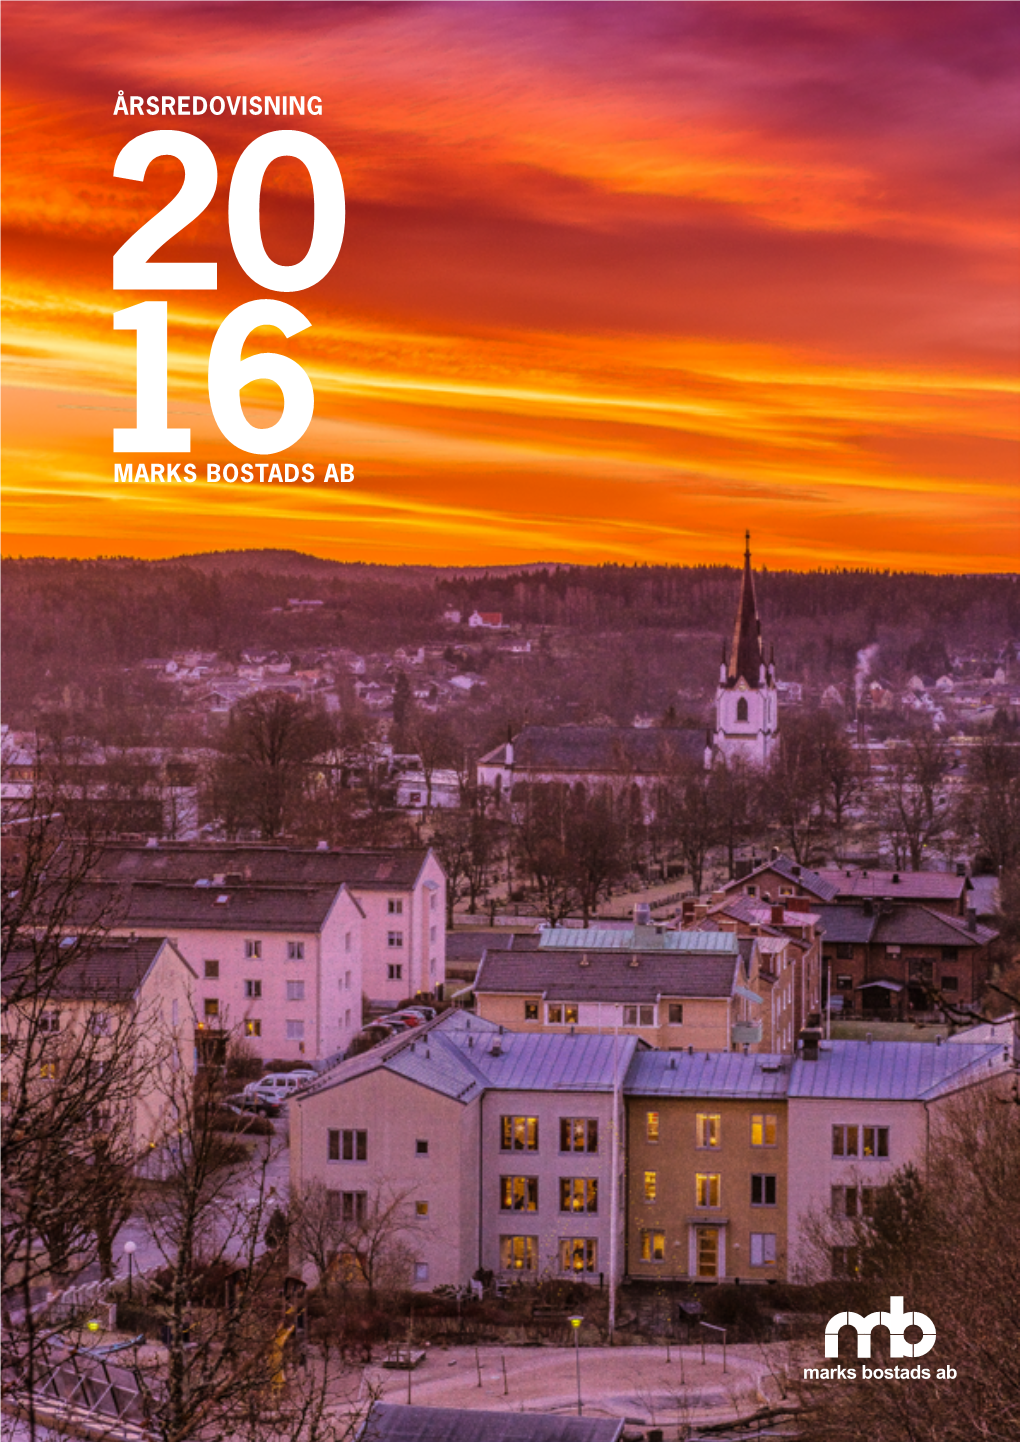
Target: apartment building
x: 669, y: 988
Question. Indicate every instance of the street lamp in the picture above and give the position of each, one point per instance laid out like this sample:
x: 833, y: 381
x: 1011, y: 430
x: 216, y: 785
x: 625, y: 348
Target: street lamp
x: 130, y: 1248
x: 575, y: 1322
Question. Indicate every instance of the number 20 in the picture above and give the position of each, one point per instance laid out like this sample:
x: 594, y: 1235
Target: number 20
x: 133, y: 269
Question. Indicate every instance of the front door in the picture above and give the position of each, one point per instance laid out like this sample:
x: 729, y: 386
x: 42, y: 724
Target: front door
x: 707, y: 1251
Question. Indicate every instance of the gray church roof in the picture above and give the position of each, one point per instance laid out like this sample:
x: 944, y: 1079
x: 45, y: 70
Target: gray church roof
x: 604, y: 749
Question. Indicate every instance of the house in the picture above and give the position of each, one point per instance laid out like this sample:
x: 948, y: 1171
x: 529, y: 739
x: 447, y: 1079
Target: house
x: 707, y: 1173
x: 885, y: 959
x: 944, y: 891
x: 670, y: 988
x: 503, y: 1148
x: 780, y: 877
x: 100, y: 985
x: 487, y: 620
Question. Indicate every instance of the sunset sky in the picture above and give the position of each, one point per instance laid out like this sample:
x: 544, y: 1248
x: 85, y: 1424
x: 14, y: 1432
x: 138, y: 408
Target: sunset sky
x: 617, y: 281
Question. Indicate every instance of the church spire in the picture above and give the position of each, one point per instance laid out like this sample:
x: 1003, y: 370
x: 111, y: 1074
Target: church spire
x: 746, y: 655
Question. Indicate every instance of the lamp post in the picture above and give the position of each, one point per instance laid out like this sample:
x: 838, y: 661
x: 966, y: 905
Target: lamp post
x: 575, y: 1322
x: 130, y: 1248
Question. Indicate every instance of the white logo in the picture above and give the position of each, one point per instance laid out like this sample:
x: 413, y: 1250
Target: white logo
x: 895, y: 1319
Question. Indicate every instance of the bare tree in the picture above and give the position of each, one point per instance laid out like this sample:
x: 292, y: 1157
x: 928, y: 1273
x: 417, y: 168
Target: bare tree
x: 917, y: 807
x: 270, y: 739
x: 356, y: 1238
x: 686, y: 819
x: 990, y: 807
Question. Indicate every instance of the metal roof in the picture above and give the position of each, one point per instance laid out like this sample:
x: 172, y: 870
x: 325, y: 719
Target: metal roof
x: 262, y: 863
x: 890, y: 1070
x: 908, y: 885
x: 548, y: 1061
x: 608, y: 976
x: 816, y: 882
x: 601, y: 749
x: 602, y: 938
x: 707, y: 1073
x: 390, y: 1423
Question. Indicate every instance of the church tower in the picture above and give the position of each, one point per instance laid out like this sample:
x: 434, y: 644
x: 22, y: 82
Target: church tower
x: 746, y: 702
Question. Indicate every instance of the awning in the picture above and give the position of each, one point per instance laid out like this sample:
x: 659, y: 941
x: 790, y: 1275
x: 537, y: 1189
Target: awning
x: 885, y: 985
x: 748, y: 995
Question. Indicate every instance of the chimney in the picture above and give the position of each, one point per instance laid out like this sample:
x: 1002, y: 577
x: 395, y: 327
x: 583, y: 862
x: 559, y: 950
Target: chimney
x: 796, y: 868
x: 869, y: 1037
x: 939, y: 1039
x: 774, y: 854
x: 509, y: 746
x: 809, y: 1039
x: 896, y: 878
x: 971, y: 918
x: 642, y: 914
x: 778, y: 913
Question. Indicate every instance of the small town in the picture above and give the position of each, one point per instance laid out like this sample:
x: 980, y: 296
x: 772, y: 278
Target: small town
x: 381, y: 1045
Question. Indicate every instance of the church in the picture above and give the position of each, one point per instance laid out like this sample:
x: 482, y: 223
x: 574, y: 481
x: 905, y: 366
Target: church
x: 624, y: 758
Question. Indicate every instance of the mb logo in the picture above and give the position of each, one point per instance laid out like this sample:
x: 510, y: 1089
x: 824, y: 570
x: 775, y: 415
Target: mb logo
x: 895, y: 1319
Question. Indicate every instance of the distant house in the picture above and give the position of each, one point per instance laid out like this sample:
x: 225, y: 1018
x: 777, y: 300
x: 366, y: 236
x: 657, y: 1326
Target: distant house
x: 941, y: 890
x: 488, y: 620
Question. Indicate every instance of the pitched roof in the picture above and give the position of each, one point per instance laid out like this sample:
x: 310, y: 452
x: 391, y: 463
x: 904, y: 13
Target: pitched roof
x: 609, y: 976
x: 630, y: 938
x: 181, y: 861
x: 151, y: 905
x: 601, y: 749
x: 816, y: 883
x: 891, y: 1070
x: 908, y: 885
x: 112, y: 970
x: 389, y: 1423
x: 846, y: 924
x: 707, y: 1073
x: 905, y: 924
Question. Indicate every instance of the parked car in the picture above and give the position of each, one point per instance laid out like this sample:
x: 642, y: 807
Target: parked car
x: 402, y: 1018
x: 279, y: 1086
x: 425, y: 1012
x: 249, y: 1102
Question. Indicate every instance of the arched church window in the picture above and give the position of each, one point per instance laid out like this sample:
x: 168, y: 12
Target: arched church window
x: 742, y: 709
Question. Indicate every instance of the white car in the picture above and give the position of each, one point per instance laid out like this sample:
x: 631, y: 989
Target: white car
x: 279, y: 1086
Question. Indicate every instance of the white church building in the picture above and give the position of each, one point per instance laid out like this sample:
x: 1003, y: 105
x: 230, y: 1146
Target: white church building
x: 746, y: 699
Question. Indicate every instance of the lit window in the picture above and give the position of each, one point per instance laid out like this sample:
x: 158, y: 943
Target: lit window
x: 876, y: 1142
x: 578, y: 1254
x: 518, y: 1194
x: 295, y: 991
x: 295, y: 951
x: 518, y: 1254
x: 763, y: 1249
x: 579, y: 1194
x: 48, y: 1070
x: 707, y: 1250
x: 562, y: 1013
x: 252, y: 949
x: 763, y: 1190
x: 708, y: 1129
x: 653, y: 1246
x: 252, y: 1027
x: 211, y: 1006
x: 651, y: 1186
x: 421, y: 1209
x: 652, y: 1126
x: 579, y: 1134
x: 295, y: 1031
x: 531, y: 1011
x: 707, y: 1188
x: 763, y: 1129
x: 253, y: 989
x: 518, y: 1134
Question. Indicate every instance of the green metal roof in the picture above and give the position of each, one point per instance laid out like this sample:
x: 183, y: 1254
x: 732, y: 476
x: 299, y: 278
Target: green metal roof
x: 629, y: 938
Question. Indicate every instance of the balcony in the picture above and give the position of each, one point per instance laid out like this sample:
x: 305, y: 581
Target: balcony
x: 746, y: 1033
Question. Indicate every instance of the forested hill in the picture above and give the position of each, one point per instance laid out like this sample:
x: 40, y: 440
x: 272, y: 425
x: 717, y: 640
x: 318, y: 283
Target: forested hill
x: 69, y: 622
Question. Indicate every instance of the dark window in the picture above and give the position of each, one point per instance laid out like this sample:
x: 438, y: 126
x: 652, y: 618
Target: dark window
x: 844, y: 951
x: 742, y: 709
x: 421, y: 1147
x: 348, y: 1146
x: 950, y: 953
x: 763, y: 1190
x: 676, y: 1013
x: 949, y: 983
x: 212, y: 970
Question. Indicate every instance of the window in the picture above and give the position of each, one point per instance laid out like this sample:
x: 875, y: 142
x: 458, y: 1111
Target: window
x: 653, y: 1246
x: 518, y: 1134
x: 763, y: 1190
x: 578, y: 1254
x: 651, y: 1186
x: 295, y: 951
x: 708, y: 1128
x: 751, y: 890
x: 348, y: 940
x: 395, y: 906
x: 676, y: 1013
x: 518, y: 1254
x: 531, y: 1011
x: 48, y: 1070
x: 252, y: 950
x: 639, y: 1016
x: 707, y: 1251
x: 421, y: 1209
x: 763, y: 1249
x: 876, y: 1142
x: 950, y: 953
x: 421, y: 1271
x: 651, y: 1126
x: 432, y: 902
x: 49, y: 1021
x: 432, y: 934
x: 845, y: 1261
x: 853, y: 1201
x: 421, y: 1147
x: 742, y: 709
x: 845, y: 1141
x: 394, y: 971
x: 99, y: 1023
x: 518, y: 1194
x: 253, y: 989
x: 252, y: 1026
x: 295, y: 991
x: 347, y: 981
x: 212, y: 971
x: 559, y: 1013
x: 949, y: 983
x: 211, y: 1007
x: 395, y: 939
x: 763, y: 1129
x: 295, y: 1031
x: 347, y: 1017
x: 579, y: 1194
x: 579, y: 1134
x: 348, y: 1146
x: 844, y: 981
x: 347, y: 1206
x: 707, y: 1188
